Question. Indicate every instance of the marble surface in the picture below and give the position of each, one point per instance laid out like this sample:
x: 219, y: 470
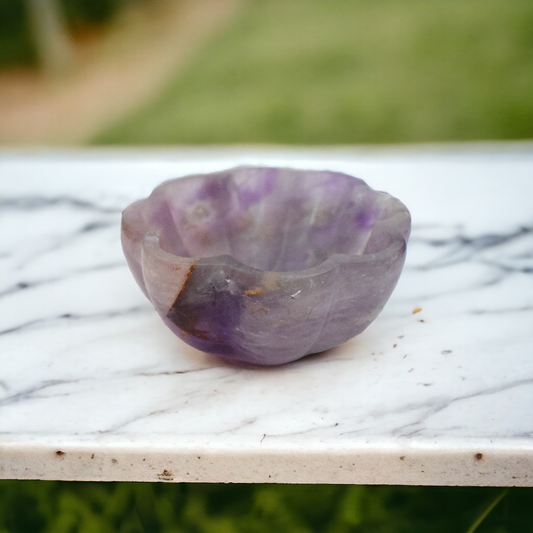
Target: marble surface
x: 94, y: 387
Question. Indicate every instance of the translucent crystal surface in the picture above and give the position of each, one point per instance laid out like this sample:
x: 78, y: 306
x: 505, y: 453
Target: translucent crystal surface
x: 262, y: 266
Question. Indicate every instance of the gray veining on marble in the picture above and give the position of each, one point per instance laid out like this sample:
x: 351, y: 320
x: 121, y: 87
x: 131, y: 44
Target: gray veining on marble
x: 93, y: 386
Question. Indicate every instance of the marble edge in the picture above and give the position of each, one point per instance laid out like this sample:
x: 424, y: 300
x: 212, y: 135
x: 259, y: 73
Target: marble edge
x: 364, y: 464
x: 179, y: 152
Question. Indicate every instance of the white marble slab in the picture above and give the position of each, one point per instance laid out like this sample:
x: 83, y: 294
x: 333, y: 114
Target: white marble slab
x: 94, y: 387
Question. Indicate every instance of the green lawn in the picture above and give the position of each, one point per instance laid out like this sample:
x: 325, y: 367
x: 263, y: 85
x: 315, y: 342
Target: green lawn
x: 55, y: 507
x: 351, y: 71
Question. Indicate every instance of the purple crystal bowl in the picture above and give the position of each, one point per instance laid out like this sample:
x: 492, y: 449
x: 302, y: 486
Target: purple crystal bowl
x: 262, y: 266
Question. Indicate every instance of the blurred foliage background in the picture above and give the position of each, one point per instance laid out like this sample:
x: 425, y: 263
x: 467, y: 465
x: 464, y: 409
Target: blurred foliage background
x: 17, y: 44
x: 301, y: 72
x: 58, y: 507
x: 340, y: 71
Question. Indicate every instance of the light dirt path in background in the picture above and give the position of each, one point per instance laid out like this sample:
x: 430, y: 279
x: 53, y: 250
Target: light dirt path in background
x: 148, y: 42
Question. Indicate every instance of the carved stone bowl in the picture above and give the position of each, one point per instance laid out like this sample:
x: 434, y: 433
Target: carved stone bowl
x: 262, y: 266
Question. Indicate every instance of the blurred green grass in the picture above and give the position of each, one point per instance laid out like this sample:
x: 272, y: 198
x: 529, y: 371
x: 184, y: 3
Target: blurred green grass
x: 340, y: 71
x: 71, y: 507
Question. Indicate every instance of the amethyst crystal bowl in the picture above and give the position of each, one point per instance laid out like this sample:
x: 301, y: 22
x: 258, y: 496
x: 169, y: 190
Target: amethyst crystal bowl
x: 262, y: 266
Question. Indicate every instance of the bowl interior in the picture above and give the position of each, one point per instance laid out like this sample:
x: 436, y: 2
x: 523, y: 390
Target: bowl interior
x: 266, y: 218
